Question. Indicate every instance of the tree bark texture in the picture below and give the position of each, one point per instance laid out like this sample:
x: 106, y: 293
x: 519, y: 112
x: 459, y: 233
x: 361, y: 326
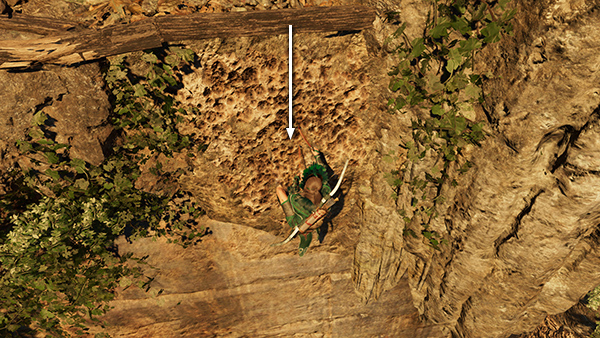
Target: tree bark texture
x: 86, y: 45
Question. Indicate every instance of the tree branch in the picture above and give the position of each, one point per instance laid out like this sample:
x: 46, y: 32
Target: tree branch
x: 85, y: 45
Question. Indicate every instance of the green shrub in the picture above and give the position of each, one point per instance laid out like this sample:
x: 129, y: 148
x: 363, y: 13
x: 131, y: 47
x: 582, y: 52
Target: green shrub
x: 58, y: 264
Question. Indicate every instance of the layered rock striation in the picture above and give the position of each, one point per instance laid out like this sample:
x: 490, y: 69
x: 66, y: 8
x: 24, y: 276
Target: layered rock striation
x: 523, y: 223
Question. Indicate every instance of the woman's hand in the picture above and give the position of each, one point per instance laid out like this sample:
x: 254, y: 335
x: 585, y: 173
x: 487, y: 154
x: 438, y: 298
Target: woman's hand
x: 281, y: 194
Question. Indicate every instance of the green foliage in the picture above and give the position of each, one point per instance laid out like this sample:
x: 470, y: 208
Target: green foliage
x: 435, y: 75
x: 145, y: 105
x: 596, y: 333
x: 592, y: 301
x: 58, y: 264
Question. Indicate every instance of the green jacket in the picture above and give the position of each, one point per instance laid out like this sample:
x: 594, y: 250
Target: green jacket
x: 301, y: 205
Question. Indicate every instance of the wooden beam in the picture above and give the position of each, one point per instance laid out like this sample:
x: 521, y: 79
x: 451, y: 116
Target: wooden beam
x: 38, y: 25
x: 85, y: 45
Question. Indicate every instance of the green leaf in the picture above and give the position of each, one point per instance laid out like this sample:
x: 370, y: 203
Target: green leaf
x: 46, y: 314
x: 139, y: 90
x: 79, y: 165
x: 460, y: 124
x: 475, y: 79
x: 150, y: 58
x: 462, y: 26
x: 125, y: 282
x: 400, y: 30
x: 434, y: 82
x: 458, y: 82
x: 167, y: 69
x: 491, y: 33
x: 53, y: 173
x: 400, y: 103
x: 108, y: 166
x: 24, y: 146
x: 473, y: 91
x: 170, y: 80
x: 82, y: 183
x: 185, y: 54
x: 437, y: 110
x: 116, y: 74
x: 396, y: 84
x: 172, y: 60
x: 418, y: 48
x: 454, y: 60
x: 40, y: 285
x: 466, y: 109
x: 480, y: 12
x: 508, y: 15
x: 466, y: 46
x: 57, y: 146
x: 39, y: 118
x: 503, y: 3
x: 441, y: 30
x: 36, y: 133
x: 52, y: 158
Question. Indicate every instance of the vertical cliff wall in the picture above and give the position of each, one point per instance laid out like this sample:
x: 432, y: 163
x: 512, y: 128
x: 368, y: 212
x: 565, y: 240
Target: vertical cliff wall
x: 523, y: 223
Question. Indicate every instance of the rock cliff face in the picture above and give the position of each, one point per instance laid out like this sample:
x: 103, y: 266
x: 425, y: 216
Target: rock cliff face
x: 522, y: 224
x: 235, y: 285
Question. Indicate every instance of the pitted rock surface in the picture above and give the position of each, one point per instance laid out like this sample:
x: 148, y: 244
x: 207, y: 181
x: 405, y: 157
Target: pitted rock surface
x: 240, y: 89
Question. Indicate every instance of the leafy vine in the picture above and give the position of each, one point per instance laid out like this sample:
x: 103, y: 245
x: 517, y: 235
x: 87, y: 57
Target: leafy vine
x: 436, y: 78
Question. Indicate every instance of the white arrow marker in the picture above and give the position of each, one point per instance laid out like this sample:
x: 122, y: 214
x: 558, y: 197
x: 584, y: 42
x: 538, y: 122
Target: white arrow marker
x: 290, y: 129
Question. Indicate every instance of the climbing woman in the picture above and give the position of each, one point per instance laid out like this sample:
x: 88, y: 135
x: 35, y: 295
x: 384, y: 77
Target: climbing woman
x: 307, y: 200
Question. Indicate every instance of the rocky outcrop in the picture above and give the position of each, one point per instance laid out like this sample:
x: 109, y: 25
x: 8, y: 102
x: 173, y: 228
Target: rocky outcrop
x: 240, y: 88
x: 74, y: 101
x: 523, y: 223
x: 520, y: 224
x: 233, y: 284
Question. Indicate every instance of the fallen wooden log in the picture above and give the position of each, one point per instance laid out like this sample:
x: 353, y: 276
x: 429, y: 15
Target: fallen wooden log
x: 89, y: 44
